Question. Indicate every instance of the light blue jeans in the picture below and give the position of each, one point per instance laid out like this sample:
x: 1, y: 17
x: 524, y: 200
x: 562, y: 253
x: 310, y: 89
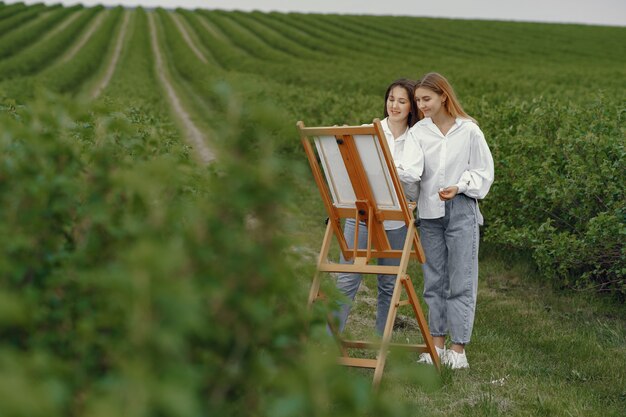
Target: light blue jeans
x: 451, y: 270
x: 348, y: 283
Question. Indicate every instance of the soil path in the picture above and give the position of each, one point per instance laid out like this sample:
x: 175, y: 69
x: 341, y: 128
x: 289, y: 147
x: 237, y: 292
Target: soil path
x: 193, y: 134
x: 64, y: 24
x: 101, y: 85
x: 187, y: 38
x: 83, y: 40
x: 214, y: 31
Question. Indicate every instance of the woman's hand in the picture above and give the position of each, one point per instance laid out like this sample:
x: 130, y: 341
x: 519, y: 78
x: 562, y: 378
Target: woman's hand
x: 448, y: 193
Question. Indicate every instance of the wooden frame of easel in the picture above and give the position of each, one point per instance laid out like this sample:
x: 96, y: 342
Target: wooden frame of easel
x: 357, y: 178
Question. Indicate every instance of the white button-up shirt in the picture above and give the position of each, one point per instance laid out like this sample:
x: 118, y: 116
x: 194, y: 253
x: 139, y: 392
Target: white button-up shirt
x: 409, y: 167
x: 461, y: 158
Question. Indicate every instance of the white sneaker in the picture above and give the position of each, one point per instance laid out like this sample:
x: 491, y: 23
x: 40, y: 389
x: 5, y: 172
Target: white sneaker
x: 455, y: 360
x: 425, y: 357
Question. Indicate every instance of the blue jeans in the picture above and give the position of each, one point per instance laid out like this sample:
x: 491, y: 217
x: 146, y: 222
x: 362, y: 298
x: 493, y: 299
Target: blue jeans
x: 451, y: 270
x: 348, y: 283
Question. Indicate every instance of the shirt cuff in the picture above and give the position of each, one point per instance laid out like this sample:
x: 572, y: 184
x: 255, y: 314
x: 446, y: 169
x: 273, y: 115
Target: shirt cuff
x: 463, y: 186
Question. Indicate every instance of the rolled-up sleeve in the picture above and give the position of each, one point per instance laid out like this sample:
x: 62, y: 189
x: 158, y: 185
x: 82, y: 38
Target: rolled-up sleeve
x: 476, y: 181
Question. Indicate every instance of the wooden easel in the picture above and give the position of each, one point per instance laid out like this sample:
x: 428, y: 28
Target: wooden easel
x: 357, y: 178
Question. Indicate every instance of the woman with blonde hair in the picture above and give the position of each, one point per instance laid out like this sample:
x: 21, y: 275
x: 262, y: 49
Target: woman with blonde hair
x: 458, y: 170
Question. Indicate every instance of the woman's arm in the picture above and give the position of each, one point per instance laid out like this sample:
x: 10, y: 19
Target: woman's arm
x: 411, y: 165
x: 476, y: 181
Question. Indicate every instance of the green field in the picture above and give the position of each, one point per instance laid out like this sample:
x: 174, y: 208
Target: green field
x: 159, y: 222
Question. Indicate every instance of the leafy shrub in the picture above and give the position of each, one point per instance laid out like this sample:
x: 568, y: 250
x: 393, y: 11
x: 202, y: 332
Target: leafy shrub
x: 136, y: 283
x: 559, y: 189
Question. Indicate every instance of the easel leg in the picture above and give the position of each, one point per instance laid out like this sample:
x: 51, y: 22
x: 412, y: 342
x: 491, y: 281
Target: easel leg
x: 323, y: 256
x: 417, y: 309
x: 315, y: 289
x: 421, y: 320
x: 395, y: 303
x: 386, y: 340
x: 315, y: 294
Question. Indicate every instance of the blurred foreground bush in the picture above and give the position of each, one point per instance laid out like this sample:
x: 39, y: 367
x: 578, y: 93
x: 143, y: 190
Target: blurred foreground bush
x: 136, y: 283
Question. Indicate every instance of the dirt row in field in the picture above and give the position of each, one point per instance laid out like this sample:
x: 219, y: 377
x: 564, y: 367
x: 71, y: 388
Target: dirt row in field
x: 60, y: 28
x: 187, y: 38
x: 101, y: 85
x: 194, y: 135
x: 86, y: 36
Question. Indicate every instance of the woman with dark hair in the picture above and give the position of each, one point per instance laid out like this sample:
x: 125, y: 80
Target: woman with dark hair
x: 458, y: 170
x: 400, y: 114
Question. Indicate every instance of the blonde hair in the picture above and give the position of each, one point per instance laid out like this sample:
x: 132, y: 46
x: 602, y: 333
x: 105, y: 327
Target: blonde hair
x: 438, y: 84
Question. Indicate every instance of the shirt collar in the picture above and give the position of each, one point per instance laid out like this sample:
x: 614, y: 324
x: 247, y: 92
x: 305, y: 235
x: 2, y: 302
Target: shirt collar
x: 385, y: 124
x: 427, y: 121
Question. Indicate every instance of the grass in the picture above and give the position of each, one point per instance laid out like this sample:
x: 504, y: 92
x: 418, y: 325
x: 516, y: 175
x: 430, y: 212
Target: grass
x: 535, y: 351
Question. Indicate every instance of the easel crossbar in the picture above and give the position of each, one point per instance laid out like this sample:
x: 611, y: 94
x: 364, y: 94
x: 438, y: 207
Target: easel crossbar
x: 362, y: 269
x: 358, y: 362
x: 361, y: 344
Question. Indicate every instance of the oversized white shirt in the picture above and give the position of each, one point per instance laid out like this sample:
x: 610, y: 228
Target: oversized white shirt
x: 461, y: 157
x: 409, y: 167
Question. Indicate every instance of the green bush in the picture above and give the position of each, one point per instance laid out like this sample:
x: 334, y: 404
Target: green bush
x: 559, y: 191
x: 137, y: 283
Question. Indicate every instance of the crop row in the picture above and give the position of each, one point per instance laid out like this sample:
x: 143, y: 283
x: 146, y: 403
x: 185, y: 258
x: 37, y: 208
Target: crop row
x: 68, y: 76
x: 41, y: 53
x: 16, y: 40
x: 122, y: 250
x: 134, y: 85
x: 272, y: 36
x: 244, y: 38
x: 320, y: 51
x: 10, y: 10
x: 16, y: 16
x: 221, y: 48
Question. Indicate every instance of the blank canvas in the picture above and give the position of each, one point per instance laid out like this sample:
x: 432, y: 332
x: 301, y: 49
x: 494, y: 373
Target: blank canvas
x: 373, y: 160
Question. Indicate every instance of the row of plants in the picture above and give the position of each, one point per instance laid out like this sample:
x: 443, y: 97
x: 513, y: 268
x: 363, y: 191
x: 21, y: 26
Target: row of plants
x: 7, y: 10
x: 137, y: 283
x: 318, y: 34
x: 134, y: 86
x: 369, y: 41
x: 301, y: 37
x: 40, y: 54
x: 12, y: 17
x: 243, y: 38
x: 292, y: 102
x: 21, y: 37
x: 193, y: 79
x: 184, y: 27
x: 69, y: 76
x: 223, y: 51
x: 274, y: 37
x: 324, y: 96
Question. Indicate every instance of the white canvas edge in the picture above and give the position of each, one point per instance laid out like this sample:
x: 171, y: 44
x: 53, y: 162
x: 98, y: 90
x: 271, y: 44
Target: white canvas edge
x: 371, y: 154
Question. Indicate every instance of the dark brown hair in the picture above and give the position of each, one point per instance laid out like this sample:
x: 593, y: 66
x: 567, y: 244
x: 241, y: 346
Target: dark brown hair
x: 409, y: 86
